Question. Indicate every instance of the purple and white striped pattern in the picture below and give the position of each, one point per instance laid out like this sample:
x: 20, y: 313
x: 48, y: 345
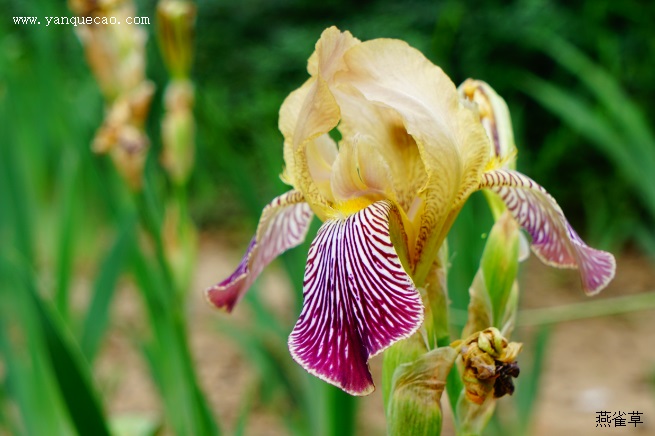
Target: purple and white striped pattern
x: 358, y: 300
x: 553, y: 239
x: 283, y: 225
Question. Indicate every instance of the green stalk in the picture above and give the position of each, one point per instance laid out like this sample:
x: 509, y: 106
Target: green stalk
x: 588, y: 309
x: 576, y: 311
x: 341, y: 416
x: 168, y: 355
x: 454, y: 389
x: 441, y: 315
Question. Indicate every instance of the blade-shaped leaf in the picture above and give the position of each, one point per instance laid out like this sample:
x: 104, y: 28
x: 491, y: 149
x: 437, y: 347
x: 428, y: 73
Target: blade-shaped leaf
x: 71, y: 372
x: 103, y: 290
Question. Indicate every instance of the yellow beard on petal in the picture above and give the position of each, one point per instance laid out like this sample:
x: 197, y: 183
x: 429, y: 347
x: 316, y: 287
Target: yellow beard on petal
x: 344, y: 209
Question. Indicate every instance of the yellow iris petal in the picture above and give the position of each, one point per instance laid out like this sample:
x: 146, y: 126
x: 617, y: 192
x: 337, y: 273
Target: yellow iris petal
x: 307, y: 115
x: 451, y: 140
x: 361, y: 172
x: 385, y: 129
x: 327, y: 59
x: 408, y: 137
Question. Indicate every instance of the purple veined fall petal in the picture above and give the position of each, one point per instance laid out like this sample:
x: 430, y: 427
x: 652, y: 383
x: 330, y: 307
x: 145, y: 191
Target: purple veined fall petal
x: 283, y: 225
x: 358, y: 299
x: 553, y: 239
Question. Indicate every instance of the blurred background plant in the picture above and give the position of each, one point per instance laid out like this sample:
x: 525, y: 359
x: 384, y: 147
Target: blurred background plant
x: 575, y: 76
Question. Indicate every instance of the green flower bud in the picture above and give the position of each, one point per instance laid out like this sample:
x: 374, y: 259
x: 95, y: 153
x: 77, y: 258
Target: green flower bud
x: 495, y: 118
x: 433, y: 332
x: 175, y: 31
x: 494, y: 290
x: 415, y: 404
x: 178, y: 131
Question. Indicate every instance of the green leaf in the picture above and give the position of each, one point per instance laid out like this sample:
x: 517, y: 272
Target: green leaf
x: 71, y: 372
x: 600, y: 130
x: 401, y: 353
x: 135, y: 425
x: 608, y: 91
x: 66, y: 190
x: 30, y: 383
x: 528, y: 385
x: 97, y: 315
x: 168, y: 354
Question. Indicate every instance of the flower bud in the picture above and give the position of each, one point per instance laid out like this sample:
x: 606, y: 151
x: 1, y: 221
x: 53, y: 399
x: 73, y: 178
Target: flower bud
x: 489, y: 364
x: 494, y: 289
x: 175, y: 30
x: 178, y: 131
x: 488, y: 367
x: 495, y: 118
x: 414, y: 406
x: 129, y: 154
x: 116, y: 55
x: 122, y: 133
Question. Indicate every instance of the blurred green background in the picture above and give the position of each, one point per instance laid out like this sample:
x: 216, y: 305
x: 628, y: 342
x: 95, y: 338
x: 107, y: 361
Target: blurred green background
x: 577, y: 76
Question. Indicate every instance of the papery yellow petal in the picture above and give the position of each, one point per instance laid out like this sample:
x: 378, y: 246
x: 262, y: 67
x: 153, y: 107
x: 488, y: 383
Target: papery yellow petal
x: 319, y: 115
x: 386, y: 130
x: 327, y: 58
x: 360, y: 172
x: 289, y: 115
x: 321, y: 154
x: 307, y: 114
x: 311, y: 112
x: 451, y: 140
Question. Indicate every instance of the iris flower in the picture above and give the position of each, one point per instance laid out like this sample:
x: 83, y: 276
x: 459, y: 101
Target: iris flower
x: 411, y: 151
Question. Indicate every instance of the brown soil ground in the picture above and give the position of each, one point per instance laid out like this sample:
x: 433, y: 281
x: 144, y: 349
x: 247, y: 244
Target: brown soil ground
x: 593, y: 364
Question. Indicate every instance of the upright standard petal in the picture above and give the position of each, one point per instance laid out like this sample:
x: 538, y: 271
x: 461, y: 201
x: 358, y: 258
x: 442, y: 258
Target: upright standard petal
x: 283, y: 225
x: 359, y: 171
x: 553, y: 239
x: 327, y: 59
x: 308, y: 114
x: 450, y: 138
x: 386, y: 140
x: 358, y: 299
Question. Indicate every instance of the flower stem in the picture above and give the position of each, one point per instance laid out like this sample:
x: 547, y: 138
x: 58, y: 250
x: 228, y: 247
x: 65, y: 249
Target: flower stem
x: 589, y: 309
x: 575, y: 311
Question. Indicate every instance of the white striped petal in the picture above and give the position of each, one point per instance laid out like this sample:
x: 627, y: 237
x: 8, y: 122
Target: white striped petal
x: 553, y: 239
x: 283, y: 225
x: 358, y: 299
